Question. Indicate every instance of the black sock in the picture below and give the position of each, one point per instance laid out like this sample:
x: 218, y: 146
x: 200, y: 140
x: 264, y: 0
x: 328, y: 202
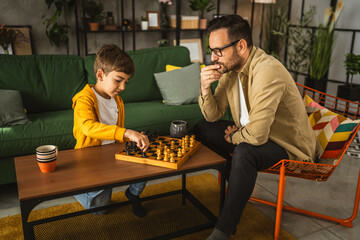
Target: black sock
x: 137, y: 208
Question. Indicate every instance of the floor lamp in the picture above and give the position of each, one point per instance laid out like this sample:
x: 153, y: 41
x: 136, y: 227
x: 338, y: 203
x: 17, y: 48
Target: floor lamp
x: 263, y: 2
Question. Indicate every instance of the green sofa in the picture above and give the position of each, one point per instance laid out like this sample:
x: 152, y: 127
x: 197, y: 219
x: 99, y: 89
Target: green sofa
x: 47, y: 84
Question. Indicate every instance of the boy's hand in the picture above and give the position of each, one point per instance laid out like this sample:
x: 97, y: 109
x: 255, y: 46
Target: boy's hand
x: 209, y: 74
x: 229, y: 130
x: 141, y: 140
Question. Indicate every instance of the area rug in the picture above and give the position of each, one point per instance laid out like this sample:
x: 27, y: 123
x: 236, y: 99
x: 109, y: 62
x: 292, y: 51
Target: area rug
x: 161, y: 215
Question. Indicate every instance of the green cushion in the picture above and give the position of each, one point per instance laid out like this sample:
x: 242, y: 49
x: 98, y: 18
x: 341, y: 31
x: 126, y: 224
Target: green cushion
x: 180, y: 86
x: 45, y: 128
x: 12, y: 110
x: 156, y: 116
x: 46, y: 82
x: 142, y: 86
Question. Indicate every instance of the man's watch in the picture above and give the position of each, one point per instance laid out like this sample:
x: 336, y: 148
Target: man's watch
x: 231, y: 134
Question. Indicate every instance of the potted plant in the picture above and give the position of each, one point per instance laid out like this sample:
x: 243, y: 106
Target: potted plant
x: 94, y: 14
x: 350, y: 90
x: 57, y: 32
x: 164, y: 20
x: 208, y: 52
x: 144, y: 23
x: 320, y: 56
x: 275, y: 28
x: 299, y: 44
x: 7, y: 37
x: 162, y: 42
x: 201, y: 6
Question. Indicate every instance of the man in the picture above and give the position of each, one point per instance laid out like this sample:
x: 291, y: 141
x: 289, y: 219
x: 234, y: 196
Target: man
x: 270, y: 121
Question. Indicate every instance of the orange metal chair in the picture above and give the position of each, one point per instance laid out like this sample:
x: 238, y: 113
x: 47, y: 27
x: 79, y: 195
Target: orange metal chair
x: 314, y: 171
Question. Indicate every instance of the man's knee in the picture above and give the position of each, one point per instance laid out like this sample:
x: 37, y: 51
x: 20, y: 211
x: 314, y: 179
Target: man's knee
x: 205, y: 130
x: 244, y: 155
x: 199, y: 125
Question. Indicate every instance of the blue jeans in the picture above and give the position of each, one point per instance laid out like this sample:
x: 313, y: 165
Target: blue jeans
x: 102, y: 197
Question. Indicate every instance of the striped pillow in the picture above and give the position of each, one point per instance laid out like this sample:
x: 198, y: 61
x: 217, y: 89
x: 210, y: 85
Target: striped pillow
x: 310, y: 105
x: 338, y: 140
x: 332, y: 131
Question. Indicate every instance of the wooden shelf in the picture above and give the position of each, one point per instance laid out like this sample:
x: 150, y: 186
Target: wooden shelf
x: 125, y: 32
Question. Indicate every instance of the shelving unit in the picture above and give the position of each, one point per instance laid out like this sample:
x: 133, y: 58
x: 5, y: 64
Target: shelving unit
x: 133, y: 32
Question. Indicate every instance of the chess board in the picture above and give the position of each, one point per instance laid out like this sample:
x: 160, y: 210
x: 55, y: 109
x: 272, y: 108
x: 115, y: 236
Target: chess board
x: 136, y: 155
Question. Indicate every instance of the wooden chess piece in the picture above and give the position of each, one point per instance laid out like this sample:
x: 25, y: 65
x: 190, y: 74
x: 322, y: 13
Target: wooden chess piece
x: 172, y: 159
x: 179, y: 154
x: 183, y: 150
x: 191, y: 143
x: 158, y: 152
x: 144, y: 155
x: 166, y: 159
x: 165, y: 149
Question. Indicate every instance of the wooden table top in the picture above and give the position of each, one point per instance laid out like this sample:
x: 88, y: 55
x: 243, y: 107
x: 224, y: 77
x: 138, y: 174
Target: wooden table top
x: 78, y: 169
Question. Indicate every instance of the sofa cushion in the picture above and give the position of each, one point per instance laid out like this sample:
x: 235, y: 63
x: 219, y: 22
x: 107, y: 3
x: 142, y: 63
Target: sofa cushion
x: 180, y: 86
x: 46, y: 82
x: 45, y: 128
x: 172, y: 67
x: 12, y: 111
x: 142, y: 86
x: 156, y: 116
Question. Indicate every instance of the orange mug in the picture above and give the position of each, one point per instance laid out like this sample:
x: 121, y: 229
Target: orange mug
x: 46, y: 157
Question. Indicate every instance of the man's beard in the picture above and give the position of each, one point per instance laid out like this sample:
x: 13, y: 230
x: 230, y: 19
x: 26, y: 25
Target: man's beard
x: 237, y: 62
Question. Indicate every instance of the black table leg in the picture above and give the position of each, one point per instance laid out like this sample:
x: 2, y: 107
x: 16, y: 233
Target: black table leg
x: 25, y: 208
x: 183, y: 184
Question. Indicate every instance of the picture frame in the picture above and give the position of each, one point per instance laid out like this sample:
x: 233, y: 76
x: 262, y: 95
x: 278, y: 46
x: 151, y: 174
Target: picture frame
x: 195, y: 48
x: 23, y: 43
x: 153, y: 19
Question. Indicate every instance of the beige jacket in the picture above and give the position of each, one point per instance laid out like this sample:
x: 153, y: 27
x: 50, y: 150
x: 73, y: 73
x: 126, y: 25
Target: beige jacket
x: 276, y: 110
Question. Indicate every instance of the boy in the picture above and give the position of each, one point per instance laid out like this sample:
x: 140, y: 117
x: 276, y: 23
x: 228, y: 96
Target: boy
x: 99, y: 119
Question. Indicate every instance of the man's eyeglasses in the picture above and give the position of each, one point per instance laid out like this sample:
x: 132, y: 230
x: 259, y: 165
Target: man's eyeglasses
x: 218, y: 51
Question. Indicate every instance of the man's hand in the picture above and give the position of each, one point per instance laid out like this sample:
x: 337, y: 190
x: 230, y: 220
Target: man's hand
x: 141, y: 140
x: 209, y: 74
x: 229, y: 130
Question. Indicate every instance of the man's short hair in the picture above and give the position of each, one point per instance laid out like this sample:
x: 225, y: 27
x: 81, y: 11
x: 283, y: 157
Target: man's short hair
x: 111, y: 58
x: 238, y: 28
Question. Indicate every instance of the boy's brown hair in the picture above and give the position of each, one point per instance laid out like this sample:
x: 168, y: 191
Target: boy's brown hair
x: 111, y: 58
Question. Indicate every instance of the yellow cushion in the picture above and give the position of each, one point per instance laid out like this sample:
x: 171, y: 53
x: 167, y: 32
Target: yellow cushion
x: 172, y: 67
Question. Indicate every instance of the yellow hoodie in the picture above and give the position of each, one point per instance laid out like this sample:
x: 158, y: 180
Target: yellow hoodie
x: 88, y: 131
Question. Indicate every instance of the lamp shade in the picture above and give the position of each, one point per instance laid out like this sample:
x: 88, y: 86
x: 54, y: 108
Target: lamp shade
x: 264, y: 1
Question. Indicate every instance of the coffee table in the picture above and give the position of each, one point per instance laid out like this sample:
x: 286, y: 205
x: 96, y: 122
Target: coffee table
x: 95, y: 168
